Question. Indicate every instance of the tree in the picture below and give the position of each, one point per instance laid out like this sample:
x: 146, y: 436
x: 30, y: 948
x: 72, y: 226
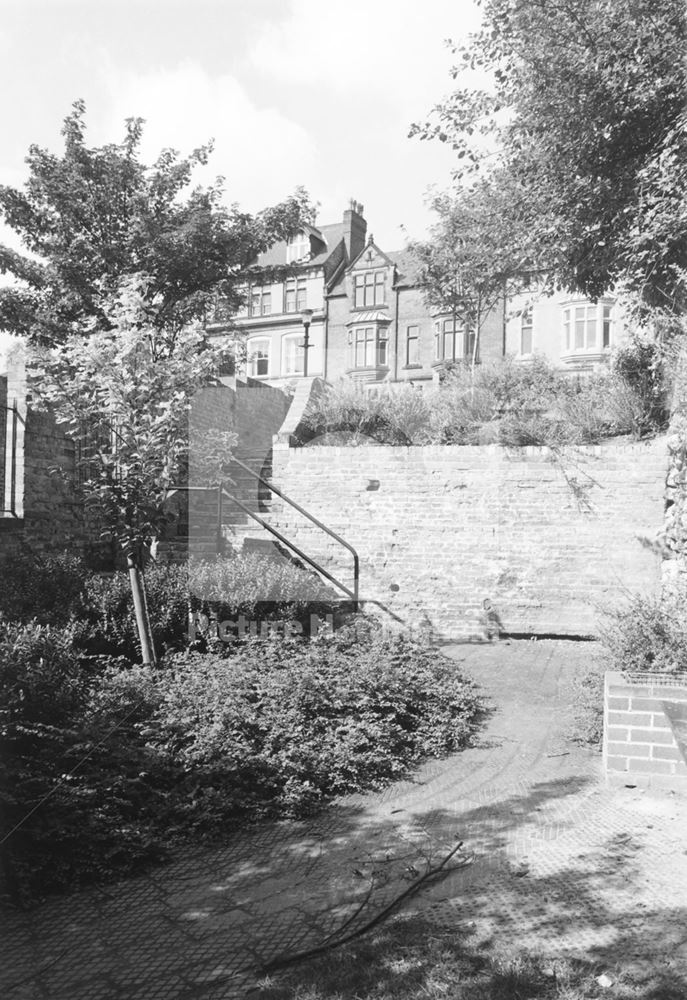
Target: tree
x: 125, y: 392
x: 466, y: 267
x: 579, y: 139
x: 90, y: 217
x: 122, y: 266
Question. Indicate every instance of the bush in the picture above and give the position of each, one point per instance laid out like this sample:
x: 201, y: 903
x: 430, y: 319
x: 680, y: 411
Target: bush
x: 108, y: 608
x: 71, y: 790
x: 245, y: 582
x: 514, y: 404
x: 105, y: 764
x: 648, y: 634
x: 283, y: 725
x: 640, y: 364
x: 47, y: 589
x: 587, y: 723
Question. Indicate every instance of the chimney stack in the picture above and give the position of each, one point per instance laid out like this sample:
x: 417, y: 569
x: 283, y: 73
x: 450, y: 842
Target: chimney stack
x: 355, y: 229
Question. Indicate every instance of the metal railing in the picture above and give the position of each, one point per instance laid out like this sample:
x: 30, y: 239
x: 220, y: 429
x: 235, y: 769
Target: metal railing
x: 222, y: 494
x: 354, y: 593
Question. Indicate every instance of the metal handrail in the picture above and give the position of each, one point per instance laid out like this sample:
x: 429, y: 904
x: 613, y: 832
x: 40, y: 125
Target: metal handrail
x: 311, y: 517
x: 222, y: 492
x: 294, y: 548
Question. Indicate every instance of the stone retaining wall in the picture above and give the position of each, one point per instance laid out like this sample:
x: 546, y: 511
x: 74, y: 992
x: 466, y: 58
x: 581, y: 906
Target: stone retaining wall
x: 645, y: 731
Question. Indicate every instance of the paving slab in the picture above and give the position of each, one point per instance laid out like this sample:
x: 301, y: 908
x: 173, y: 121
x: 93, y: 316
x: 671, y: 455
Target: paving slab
x: 557, y: 863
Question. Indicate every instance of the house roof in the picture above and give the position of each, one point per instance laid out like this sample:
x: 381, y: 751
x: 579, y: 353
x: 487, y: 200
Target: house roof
x: 328, y: 236
x: 407, y: 266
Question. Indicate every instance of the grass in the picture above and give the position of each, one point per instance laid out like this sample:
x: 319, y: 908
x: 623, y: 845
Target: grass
x: 411, y: 958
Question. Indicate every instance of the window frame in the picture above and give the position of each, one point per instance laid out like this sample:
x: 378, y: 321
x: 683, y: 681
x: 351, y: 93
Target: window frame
x: 296, y: 242
x: 299, y: 352
x: 253, y: 362
x: 527, y: 329
x: 580, y: 317
x: 298, y: 288
x: 373, y: 282
x: 368, y: 346
x: 412, y: 360
x: 263, y: 297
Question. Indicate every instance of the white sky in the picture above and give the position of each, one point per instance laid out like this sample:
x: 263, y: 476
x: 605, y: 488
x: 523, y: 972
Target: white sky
x: 294, y: 92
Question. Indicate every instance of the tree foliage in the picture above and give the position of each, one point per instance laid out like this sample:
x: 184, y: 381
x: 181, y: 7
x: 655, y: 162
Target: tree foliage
x: 578, y: 139
x: 92, y: 216
x: 124, y: 392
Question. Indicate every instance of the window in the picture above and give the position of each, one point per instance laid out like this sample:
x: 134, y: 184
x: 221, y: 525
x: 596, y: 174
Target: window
x: 259, y: 357
x: 606, y: 326
x: 470, y: 345
x: 297, y: 247
x: 413, y: 345
x: 526, y: 331
x: 369, y: 290
x: 445, y: 340
x: 295, y: 295
x: 293, y: 354
x: 260, y: 302
x: 367, y: 347
x: 587, y: 326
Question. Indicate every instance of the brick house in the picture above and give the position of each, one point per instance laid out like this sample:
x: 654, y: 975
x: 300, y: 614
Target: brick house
x: 365, y: 314
x: 367, y: 319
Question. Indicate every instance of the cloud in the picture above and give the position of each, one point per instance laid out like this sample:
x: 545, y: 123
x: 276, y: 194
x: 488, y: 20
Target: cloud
x: 260, y: 151
x: 365, y: 47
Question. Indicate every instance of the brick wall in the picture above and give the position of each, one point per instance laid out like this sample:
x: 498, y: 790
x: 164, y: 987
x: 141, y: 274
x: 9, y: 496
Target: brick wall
x: 440, y: 529
x: 644, y: 729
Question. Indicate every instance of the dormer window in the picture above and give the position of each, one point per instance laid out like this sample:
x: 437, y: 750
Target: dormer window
x: 297, y: 247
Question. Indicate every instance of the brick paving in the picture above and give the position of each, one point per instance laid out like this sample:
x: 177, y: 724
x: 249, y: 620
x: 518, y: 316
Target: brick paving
x: 559, y: 864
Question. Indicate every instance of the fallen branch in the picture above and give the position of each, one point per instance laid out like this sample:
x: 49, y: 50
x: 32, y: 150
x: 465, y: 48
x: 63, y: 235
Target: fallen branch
x: 328, y: 945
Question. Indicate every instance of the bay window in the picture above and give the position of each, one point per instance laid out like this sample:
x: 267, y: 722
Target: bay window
x: 367, y: 347
x: 587, y: 326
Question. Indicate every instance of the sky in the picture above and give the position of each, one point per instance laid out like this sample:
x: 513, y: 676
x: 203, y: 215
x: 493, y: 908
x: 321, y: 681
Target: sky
x: 293, y: 92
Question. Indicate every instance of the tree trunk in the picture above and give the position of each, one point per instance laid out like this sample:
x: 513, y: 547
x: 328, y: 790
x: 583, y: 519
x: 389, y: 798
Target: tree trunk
x: 138, y: 593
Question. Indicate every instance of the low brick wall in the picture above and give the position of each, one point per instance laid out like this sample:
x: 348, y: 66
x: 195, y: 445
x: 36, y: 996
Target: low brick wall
x: 644, y: 731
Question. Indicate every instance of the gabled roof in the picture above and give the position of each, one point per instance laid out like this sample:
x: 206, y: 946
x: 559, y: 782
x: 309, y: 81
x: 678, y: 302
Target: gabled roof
x: 371, y: 247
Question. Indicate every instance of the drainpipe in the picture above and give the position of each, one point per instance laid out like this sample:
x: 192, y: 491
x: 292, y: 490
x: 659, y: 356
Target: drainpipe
x: 326, y: 337
x: 398, y: 294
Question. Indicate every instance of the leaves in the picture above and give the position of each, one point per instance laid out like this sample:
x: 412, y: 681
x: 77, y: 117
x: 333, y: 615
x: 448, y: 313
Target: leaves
x: 576, y: 141
x: 93, y: 216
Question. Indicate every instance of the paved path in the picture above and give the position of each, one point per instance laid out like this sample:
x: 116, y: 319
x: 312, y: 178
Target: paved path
x: 560, y: 865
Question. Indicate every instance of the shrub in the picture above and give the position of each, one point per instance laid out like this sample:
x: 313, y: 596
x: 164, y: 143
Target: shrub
x: 70, y: 810
x: 245, y: 581
x: 587, y: 723
x: 648, y: 633
x: 640, y: 365
x: 108, y: 607
x: 103, y: 764
x: 47, y: 588
x: 514, y: 404
x: 282, y: 725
